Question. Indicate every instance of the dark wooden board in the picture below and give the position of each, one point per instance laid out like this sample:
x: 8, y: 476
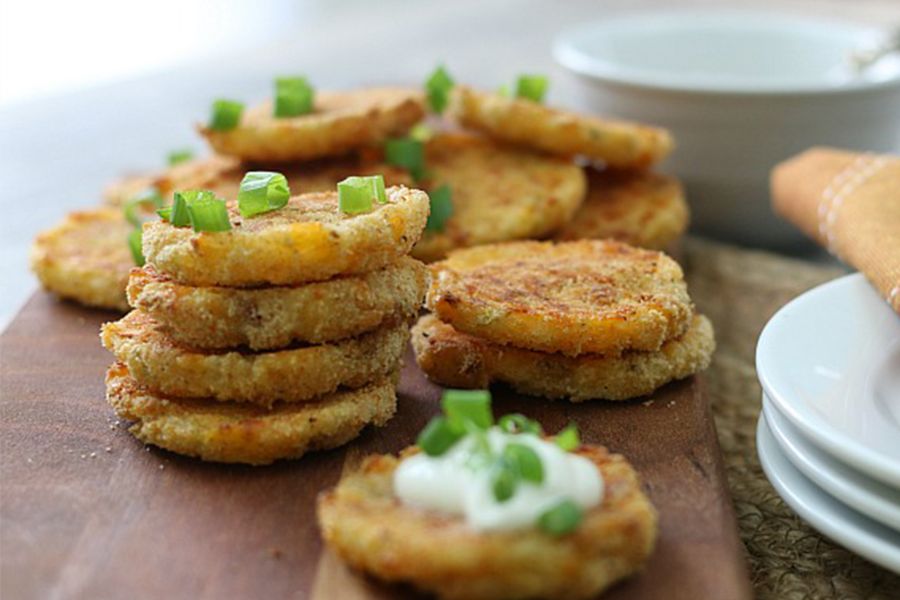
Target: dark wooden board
x: 87, y: 512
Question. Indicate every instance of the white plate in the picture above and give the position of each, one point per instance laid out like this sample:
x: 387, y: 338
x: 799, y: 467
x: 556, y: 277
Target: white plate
x: 857, y: 491
x: 830, y: 362
x: 833, y: 519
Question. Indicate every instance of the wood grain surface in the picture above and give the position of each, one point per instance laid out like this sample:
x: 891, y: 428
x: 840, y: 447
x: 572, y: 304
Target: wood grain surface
x: 87, y: 512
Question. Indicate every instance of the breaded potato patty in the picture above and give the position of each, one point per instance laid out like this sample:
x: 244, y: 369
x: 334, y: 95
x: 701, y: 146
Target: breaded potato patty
x: 524, y: 122
x: 310, y: 239
x: 589, y: 296
x: 458, y: 360
x: 367, y: 526
x: 242, y: 433
x: 86, y: 258
x: 340, y: 122
x: 499, y: 193
x: 273, y: 317
x: 223, y: 175
x: 295, y: 374
x: 636, y: 207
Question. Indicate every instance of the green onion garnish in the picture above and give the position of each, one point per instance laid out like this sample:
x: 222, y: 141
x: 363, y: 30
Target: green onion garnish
x: 226, y: 114
x: 441, y: 208
x: 144, y: 199
x: 568, y: 439
x: 437, y: 87
x: 209, y: 214
x: 407, y: 153
x: 179, y: 156
x: 464, y: 407
x: 504, y: 481
x: 261, y: 192
x: 561, y: 519
x: 519, y: 423
x: 293, y: 97
x: 179, y: 215
x: 357, y: 194
x: 438, y: 437
x: 134, y: 244
x: 525, y: 461
x: 503, y: 90
x: 421, y: 132
x: 531, y: 87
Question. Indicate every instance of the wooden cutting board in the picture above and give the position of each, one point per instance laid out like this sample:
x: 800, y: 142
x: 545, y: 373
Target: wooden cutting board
x: 88, y: 512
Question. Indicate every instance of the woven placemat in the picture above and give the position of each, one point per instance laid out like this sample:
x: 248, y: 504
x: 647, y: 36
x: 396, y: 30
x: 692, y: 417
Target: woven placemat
x: 740, y: 290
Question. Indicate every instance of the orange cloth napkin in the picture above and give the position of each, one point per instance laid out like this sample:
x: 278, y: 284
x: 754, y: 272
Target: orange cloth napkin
x: 850, y: 203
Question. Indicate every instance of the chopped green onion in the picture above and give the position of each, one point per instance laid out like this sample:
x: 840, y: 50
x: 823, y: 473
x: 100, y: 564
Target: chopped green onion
x: 357, y: 194
x: 504, y: 481
x: 438, y: 437
x: 531, y: 87
x: 503, y: 90
x: 180, y: 216
x: 179, y: 156
x: 293, y: 97
x: 561, y: 519
x: 437, y: 87
x: 526, y: 462
x: 421, y: 132
x: 134, y: 244
x: 226, y: 114
x: 441, y: 208
x: 468, y: 406
x: 209, y: 214
x: 407, y: 153
x: 144, y: 199
x: 519, y: 423
x: 261, y: 192
x: 568, y: 439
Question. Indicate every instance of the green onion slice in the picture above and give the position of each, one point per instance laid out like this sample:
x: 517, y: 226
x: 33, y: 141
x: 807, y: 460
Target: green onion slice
x: 226, y: 114
x: 209, y: 214
x: 561, y: 519
x: 145, y: 199
x: 438, y: 437
x: 179, y: 215
x: 261, y: 192
x: 464, y: 407
x: 525, y: 461
x: 293, y: 97
x: 437, y: 87
x: 568, y: 439
x: 135, y: 245
x: 519, y: 423
x: 504, y: 481
x: 531, y: 87
x: 407, y: 153
x: 421, y: 132
x: 357, y: 194
x: 441, y: 208
x: 179, y: 156
x: 503, y: 90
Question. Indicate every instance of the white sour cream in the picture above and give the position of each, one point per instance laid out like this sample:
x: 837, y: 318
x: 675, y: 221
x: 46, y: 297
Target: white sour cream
x: 452, y: 484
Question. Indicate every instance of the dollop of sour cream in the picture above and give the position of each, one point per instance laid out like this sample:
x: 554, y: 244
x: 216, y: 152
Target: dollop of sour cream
x: 456, y: 484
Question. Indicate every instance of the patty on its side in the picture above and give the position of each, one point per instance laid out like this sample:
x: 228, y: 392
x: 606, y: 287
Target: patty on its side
x: 367, y: 526
x: 243, y: 433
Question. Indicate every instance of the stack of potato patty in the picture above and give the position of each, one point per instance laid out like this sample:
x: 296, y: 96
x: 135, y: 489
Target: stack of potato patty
x: 576, y: 320
x: 281, y: 335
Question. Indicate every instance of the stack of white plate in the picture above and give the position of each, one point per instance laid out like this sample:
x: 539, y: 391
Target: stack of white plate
x: 829, y: 435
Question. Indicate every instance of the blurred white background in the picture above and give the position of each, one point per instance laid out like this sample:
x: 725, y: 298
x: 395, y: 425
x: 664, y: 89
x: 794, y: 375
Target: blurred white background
x: 92, y: 89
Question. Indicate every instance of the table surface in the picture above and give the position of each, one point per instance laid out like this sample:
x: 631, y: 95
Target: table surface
x: 57, y: 153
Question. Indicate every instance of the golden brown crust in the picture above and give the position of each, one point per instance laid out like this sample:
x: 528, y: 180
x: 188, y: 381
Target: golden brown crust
x: 590, y: 296
x: 86, y: 258
x: 636, y: 207
x: 223, y: 175
x: 458, y: 360
x: 499, y: 192
x: 291, y: 375
x: 340, y: 122
x: 242, y: 433
x: 363, y: 522
x: 274, y: 317
x: 308, y: 240
x: 617, y: 143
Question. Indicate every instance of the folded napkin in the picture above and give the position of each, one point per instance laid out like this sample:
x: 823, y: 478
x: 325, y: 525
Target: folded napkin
x: 850, y: 203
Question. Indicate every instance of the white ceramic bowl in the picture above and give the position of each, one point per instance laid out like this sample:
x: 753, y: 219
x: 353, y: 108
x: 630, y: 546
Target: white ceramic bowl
x: 740, y: 91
